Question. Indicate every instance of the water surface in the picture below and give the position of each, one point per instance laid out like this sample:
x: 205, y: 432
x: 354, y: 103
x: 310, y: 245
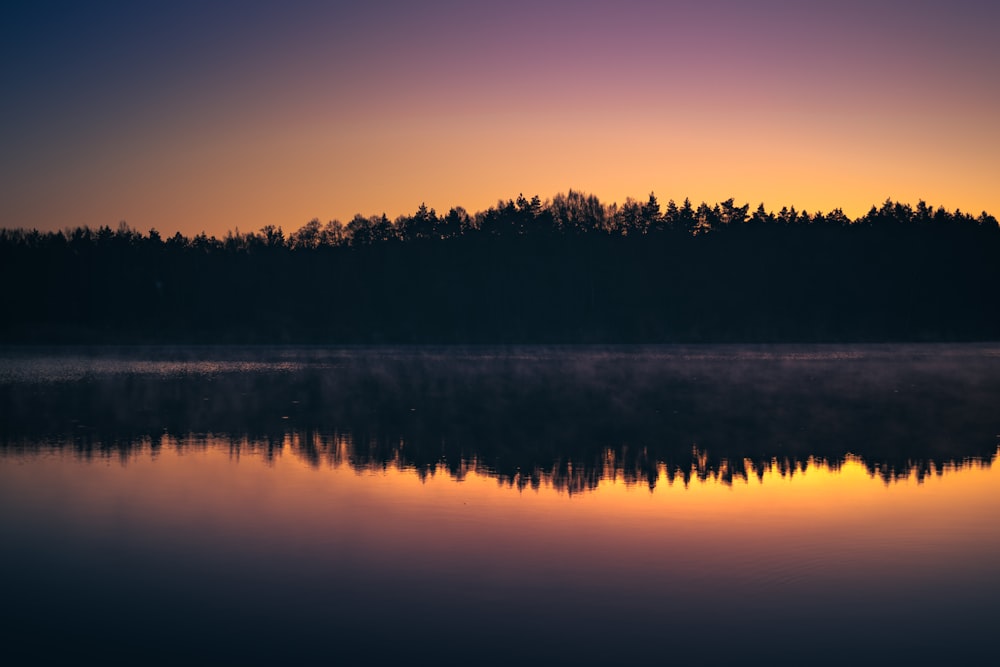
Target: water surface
x: 774, y: 504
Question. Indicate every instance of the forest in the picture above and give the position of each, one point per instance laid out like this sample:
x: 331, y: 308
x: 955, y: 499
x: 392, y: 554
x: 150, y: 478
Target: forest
x: 569, y: 269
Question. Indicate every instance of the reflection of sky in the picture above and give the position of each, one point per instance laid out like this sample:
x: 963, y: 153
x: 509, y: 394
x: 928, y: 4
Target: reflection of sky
x: 178, y: 116
x: 359, y: 556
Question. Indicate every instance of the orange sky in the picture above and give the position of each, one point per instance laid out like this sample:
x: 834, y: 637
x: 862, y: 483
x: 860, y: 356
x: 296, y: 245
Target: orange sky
x: 191, y: 119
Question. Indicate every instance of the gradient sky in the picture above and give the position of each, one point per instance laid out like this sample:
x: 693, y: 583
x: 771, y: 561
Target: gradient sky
x: 200, y: 116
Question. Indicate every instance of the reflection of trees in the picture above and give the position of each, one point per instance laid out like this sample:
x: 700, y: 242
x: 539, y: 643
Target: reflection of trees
x: 531, y: 416
x: 570, y: 475
x: 577, y: 475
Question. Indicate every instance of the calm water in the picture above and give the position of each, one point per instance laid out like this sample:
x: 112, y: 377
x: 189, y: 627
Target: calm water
x: 784, y: 505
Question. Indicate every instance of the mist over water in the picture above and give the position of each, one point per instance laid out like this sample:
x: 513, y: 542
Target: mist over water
x: 500, y: 504
x: 523, y: 411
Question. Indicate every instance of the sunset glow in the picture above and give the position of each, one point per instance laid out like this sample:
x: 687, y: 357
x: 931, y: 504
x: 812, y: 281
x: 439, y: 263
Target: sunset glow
x: 185, y: 118
x: 788, y: 527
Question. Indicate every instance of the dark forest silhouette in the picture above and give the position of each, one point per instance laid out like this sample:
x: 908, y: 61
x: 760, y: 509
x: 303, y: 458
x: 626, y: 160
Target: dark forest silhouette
x: 570, y: 269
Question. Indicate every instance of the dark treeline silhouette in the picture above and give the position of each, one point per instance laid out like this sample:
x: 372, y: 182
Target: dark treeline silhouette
x: 570, y: 269
x: 570, y: 418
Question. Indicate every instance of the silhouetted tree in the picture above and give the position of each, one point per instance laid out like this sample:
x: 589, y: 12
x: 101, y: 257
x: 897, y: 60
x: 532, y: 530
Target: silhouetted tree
x: 273, y: 236
x: 455, y: 223
x: 308, y: 236
x: 686, y: 219
x: 732, y: 214
x: 651, y: 213
x: 333, y: 234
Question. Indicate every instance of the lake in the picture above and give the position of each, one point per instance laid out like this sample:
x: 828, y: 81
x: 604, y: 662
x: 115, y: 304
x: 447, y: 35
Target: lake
x: 776, y: 504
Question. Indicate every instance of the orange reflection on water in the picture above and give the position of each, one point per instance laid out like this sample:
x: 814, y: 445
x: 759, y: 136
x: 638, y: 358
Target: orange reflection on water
x: 369, y: 551
x: 773, y: 524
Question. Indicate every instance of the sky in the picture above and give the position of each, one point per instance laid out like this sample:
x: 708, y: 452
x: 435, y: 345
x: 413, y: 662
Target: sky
x: 212, y: 116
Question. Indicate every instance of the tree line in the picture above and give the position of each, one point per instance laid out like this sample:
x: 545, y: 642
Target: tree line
x: 567, y: 269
